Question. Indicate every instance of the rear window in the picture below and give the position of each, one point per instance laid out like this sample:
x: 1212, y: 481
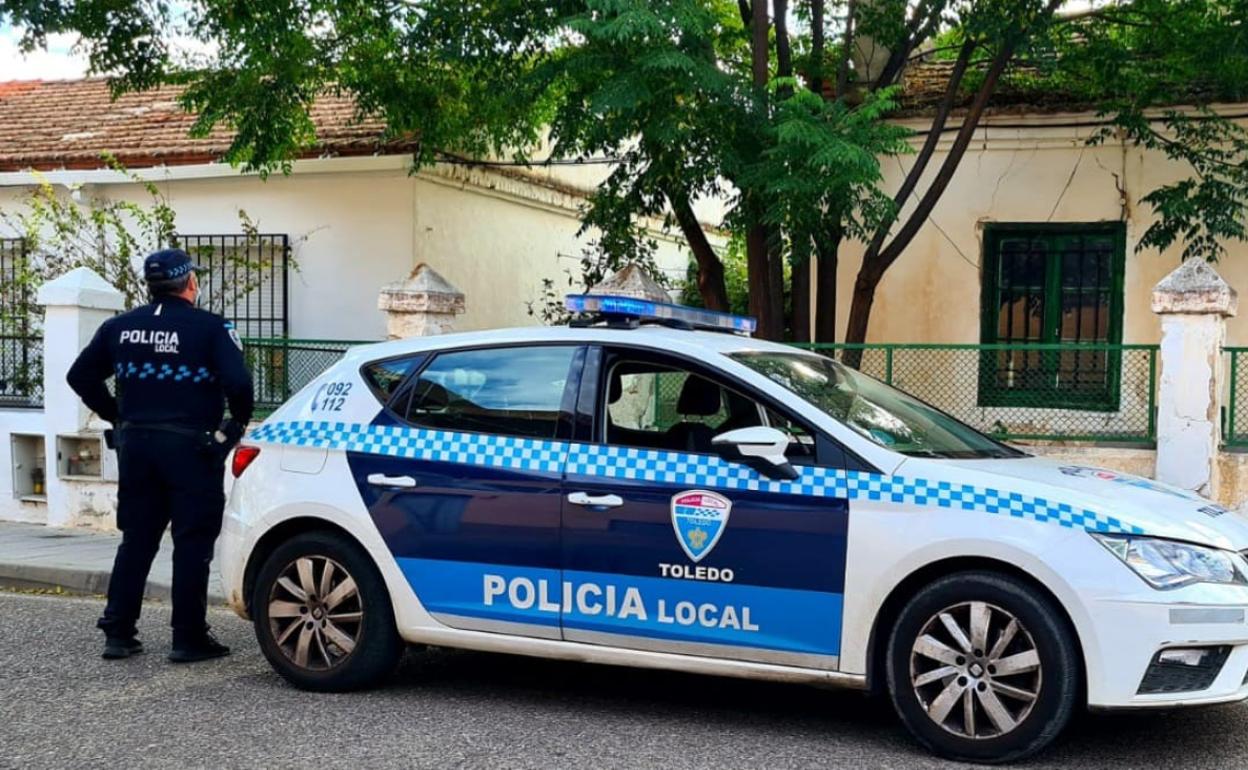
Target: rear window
x: 384, y: 377
x: 514, y: 391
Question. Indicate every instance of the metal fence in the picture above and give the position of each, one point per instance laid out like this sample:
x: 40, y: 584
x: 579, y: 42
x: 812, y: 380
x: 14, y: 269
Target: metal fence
x: 1025, y: 392
x: 21, y: 372
x: 1019, y: 392
x: 1235, y: 414
x: 280, y: 367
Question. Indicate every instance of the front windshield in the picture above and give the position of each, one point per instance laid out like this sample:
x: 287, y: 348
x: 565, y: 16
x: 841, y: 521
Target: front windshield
x: 881, y: 413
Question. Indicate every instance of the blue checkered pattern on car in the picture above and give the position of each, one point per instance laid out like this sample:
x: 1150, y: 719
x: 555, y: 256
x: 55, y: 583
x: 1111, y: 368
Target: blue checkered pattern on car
x: 690, y: 470
x: 148, y: 370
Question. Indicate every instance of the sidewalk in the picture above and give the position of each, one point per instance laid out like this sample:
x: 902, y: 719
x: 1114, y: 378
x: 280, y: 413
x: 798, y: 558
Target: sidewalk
x: 79, y: 561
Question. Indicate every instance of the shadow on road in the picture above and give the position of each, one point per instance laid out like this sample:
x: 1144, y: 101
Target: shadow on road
x: 1206, y: 737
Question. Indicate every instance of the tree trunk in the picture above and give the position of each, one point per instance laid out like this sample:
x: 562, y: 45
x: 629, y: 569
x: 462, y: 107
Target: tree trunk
x: 757, y: 242
x: 775, y: 283
x: 816, y: 46
x: 801, y: 298
x: 757, y: 262
x: 825, y: 289
x: 860, y: 315
x: 710, y: 269
x: 759, y: 59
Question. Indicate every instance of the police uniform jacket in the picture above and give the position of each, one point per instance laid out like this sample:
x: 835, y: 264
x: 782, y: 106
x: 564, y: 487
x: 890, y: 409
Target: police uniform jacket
x: 174, y: 364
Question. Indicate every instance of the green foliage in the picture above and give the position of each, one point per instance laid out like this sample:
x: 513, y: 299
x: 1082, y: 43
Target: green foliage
x: 665, y: 87
x: 1137, y: 60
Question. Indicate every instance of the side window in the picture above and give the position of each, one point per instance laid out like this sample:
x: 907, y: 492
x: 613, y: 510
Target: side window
x: 655, y: 406
x: 512, y: 391
x: 384, y: 377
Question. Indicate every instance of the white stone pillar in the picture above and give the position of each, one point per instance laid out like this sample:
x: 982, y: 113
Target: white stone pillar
x: 421, y: 305
x: 1194, y: 303
x: 75, y: 305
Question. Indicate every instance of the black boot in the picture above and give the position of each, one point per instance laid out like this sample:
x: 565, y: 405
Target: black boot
x: 116, y: 647
x: 203, y: 647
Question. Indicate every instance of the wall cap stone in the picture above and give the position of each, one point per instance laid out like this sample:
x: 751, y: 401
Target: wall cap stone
x: 1194, y: 287
x: 632, y: 281
x: 424, y: 291
x: 80, y: 287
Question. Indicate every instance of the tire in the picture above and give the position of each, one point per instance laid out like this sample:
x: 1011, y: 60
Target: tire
x: 330, y: 638
x: 924, y: 677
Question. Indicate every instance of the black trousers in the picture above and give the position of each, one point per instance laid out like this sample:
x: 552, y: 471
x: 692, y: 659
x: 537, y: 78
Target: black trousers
x: 164, y: 478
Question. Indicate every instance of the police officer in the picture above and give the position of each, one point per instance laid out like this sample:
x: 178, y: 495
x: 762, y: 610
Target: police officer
x: 175, y: 367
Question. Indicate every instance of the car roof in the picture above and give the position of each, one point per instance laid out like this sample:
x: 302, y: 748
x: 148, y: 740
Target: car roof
x: 693, y: 343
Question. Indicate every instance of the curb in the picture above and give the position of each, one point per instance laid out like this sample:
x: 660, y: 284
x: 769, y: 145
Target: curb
x: 83, y: 581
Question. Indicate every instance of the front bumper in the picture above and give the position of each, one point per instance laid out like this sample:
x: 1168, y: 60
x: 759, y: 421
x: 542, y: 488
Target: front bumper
x: 1130, y: 631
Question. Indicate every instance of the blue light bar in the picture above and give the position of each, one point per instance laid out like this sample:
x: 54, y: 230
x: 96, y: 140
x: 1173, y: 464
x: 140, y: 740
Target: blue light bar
x: 630, y: 307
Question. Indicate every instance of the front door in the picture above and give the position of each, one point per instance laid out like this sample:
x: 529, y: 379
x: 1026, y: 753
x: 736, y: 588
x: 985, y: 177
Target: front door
x: 668, y: 547
x: 461, y: 474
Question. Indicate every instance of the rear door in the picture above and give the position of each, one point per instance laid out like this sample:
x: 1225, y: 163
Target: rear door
x: 462, y: 477
x: 668, y: 547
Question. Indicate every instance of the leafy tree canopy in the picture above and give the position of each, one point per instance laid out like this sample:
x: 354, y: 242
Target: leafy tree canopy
x: 780, y: 108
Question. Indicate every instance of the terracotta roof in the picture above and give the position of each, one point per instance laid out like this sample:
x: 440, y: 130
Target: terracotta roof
x: 69, y: 123
x: 924, y: 82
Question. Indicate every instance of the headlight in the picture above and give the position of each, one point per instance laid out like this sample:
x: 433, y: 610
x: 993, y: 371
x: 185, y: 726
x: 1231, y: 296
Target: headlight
x: 1171, y: 564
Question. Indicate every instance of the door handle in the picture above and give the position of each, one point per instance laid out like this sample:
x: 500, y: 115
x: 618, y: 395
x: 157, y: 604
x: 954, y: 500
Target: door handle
x: 382, y: 480
x: 595, y: 501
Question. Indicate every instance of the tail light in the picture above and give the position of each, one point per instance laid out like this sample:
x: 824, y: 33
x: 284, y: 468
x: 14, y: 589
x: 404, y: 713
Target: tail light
x: 244, y: 454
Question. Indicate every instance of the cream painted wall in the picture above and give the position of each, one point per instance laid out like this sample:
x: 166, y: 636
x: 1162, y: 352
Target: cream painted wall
x: 1043, y: 173
x: 495, y: 236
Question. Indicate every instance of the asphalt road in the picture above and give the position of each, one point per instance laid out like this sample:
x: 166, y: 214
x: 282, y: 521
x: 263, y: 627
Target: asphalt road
x: 63, y: 706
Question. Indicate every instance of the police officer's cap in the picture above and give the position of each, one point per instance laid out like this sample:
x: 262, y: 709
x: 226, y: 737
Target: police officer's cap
x: 168, y: 265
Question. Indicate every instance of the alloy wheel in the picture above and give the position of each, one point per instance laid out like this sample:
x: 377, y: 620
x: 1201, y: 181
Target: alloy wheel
x: 976, y: 670
x: 315, y: 613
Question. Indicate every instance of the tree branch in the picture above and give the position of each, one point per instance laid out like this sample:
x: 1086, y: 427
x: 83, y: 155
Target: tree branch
x: 710, y: 269
x: 927, y: 151
x: 888, y: 255
x: 921, y: 25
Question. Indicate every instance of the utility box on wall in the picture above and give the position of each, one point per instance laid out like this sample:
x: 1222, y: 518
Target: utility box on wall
x: 83, y: 457
x: 30, y: 467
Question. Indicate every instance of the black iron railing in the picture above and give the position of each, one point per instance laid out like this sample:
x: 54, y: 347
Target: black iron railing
x: 246, y: 280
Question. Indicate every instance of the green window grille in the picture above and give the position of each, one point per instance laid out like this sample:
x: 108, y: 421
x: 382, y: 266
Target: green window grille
x: 1053, y: 294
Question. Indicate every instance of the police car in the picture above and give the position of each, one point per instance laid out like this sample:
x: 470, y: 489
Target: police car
x: 652, y: 487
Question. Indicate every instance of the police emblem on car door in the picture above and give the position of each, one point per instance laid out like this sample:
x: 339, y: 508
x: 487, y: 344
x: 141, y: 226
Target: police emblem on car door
x: 699, y: 518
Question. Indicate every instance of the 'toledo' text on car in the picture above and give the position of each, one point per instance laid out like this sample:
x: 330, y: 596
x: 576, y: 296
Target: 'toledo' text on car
x: 652, y: 487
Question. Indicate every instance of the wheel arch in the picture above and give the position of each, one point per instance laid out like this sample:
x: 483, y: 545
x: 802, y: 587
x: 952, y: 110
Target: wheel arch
x: 278, y: 534
x: 892, y: 605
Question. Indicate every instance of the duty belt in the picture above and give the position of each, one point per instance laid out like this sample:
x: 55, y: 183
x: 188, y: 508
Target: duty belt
x: 167, y: 427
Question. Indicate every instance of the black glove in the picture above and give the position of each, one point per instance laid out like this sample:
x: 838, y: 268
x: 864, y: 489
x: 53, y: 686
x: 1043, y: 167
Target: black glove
x: 230, y: 433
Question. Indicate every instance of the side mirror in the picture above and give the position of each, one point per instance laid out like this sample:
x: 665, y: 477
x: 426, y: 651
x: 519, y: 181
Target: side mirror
x: 760, y: 448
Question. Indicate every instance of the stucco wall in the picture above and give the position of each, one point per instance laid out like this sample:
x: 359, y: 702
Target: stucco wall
x: 1044, y: 173
x: 495, y: 236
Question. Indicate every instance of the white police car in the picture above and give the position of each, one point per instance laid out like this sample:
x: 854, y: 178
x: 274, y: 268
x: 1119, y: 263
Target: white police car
x: 629, y: 493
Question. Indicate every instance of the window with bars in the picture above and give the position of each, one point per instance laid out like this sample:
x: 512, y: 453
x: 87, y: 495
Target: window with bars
x: 246, y: 279
x: 1052, y: 297
x: 21, y: 357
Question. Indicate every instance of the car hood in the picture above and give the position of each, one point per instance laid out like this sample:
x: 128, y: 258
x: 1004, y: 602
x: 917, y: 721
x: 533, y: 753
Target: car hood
x: 1157, y: 509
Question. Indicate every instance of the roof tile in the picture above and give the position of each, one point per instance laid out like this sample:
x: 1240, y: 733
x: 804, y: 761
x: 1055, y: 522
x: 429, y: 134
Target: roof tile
x: 50, y: 124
